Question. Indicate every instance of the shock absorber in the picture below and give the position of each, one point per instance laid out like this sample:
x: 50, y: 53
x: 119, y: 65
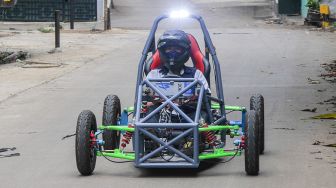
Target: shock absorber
x: 242, y: 144
x: 127, y: 137
x: 210, y: 136
x: 93, y: 140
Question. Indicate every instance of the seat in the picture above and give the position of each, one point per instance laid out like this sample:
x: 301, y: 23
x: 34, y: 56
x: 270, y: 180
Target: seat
x: 198, y: 59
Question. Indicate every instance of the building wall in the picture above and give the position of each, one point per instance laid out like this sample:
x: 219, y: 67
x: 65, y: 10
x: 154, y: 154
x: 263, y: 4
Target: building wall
x: 43, y: 10
x: 100, y: 10
x: 304, y: 9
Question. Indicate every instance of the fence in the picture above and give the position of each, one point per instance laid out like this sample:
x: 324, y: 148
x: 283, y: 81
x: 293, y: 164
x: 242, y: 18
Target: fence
x: 43, y: 10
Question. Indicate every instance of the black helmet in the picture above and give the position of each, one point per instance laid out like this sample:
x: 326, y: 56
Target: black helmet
x: 174, y: 47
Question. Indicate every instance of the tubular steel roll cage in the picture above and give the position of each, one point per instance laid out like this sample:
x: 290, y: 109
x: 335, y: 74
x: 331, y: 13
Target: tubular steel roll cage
x: 191, y: 127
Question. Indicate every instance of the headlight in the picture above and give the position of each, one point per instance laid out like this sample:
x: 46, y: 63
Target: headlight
x: 179, y: 14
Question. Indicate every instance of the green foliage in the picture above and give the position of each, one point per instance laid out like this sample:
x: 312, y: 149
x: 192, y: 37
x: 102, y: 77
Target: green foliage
x: 313, y: 4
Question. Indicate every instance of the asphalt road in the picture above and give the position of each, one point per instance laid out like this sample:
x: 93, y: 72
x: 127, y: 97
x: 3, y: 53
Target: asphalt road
x: 271, y: 60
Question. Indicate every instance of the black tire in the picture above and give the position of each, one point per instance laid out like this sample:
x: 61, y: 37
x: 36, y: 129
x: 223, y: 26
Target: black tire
x: 85, y: 153
x: 251, y: 144
x: 111, y: 113
x: 257, y: 104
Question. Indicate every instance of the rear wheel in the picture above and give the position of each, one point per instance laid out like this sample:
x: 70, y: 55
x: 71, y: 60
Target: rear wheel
x: 251, y: 144
x: 85, y: 151
x: 111, y: 113
x: 257, y: 104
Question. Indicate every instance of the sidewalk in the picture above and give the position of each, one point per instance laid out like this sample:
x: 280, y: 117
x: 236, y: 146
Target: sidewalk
x: 78, y: 47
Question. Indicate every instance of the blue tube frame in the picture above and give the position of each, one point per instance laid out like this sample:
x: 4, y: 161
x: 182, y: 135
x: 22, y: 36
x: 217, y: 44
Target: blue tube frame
x: 189, y: 128
x: 191, y: 125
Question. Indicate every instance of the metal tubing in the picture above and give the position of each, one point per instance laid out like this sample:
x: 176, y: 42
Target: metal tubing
x: 138, y: 154
x: 215, y: 99
x: 151, y: 154
x: 196, y: 145
x: 234, y: 108
x: 172, y: 125
x: 116, y: 128
x: 218, y: 155
x: 57, y: 29
x: 208, y: 108
x: 239, y: 123
x: 199, y: 105
x: 171, y: 79
x: 206, y: 51
x: 72, y: 14
x: 168, y: 101
x: 220, y: 120
x: 168, y: 165
x: 116, y: 155
x: 218, y: 128
x: 166, y: 145
x: 176, y: 95
x: 138, y: 107
x: 166, y: 125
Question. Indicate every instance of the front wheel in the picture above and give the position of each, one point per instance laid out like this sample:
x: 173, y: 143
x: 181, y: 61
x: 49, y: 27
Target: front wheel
x: 111, y: 113
x: 252, y: 144
x: 257, y: 104
x: 85, y: 150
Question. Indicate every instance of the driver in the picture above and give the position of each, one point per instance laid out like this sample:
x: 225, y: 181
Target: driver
x: 174, y: 48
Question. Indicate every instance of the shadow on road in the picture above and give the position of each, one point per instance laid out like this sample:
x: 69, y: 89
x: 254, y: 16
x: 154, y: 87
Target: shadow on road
x: 181, y: 173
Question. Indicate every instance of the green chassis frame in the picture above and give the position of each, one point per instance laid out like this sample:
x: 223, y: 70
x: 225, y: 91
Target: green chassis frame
x: 217, y: 153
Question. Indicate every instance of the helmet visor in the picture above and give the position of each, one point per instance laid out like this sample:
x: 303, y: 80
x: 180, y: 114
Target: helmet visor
x: 173, y: 52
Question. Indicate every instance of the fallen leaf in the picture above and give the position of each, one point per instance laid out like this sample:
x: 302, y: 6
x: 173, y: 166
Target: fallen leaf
x: 309, y: 110
x: 8, y: 150
x: 311, y: 81
x: 330, y: 145
x: 68, y: 136
x: 314, y: 82
x: 316, y: 142
x: 325, y: 116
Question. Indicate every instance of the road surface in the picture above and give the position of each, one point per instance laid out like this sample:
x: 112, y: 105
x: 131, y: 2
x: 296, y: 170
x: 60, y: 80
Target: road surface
x: 273, y: 60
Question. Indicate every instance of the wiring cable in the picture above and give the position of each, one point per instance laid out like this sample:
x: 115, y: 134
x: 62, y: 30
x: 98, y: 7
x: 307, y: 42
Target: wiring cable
x: 112, y: 161
x: 226, y: 161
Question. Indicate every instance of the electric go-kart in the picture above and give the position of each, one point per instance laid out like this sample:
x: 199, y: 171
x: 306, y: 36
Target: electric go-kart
x: 176, y: 139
